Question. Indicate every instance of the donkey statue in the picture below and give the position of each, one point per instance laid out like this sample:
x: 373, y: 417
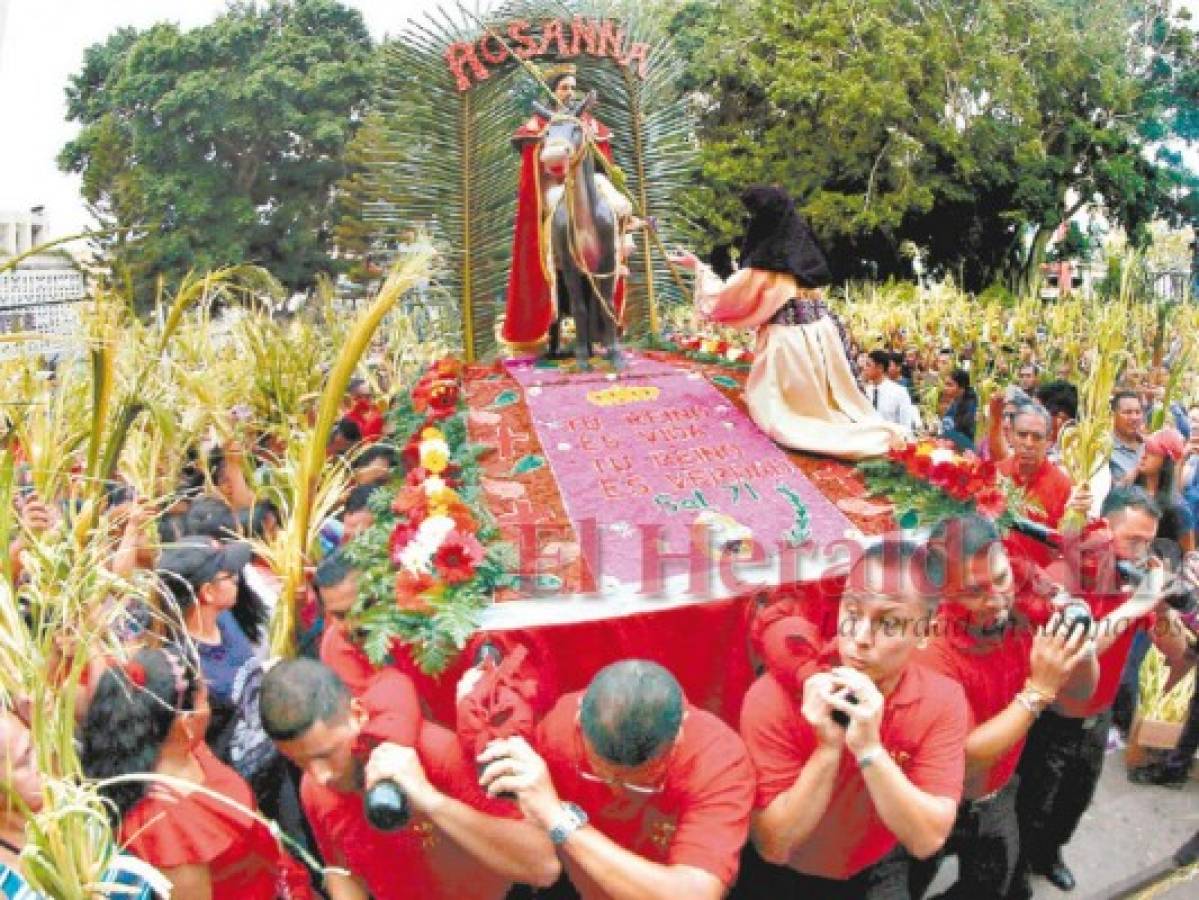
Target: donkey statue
x: 583, y: 237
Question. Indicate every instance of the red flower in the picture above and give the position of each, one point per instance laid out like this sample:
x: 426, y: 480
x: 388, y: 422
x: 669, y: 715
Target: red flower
x: 443, y: 399
x: 457, y: 557
x: 991, y: 502
x: 401, y: 534
x: 410, y: 591
x: 447, y: 367
x: 411, y: 504
x: 416, y: 477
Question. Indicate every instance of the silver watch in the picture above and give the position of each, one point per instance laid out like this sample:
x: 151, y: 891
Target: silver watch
x: 570, y: 820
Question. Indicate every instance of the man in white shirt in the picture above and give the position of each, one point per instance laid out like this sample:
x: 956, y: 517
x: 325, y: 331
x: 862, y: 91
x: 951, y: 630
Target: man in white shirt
x: 891, y: 400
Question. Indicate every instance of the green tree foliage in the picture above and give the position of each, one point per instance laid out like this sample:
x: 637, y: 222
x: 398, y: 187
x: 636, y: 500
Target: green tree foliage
x: 972, y: 127
x: 219, y: 145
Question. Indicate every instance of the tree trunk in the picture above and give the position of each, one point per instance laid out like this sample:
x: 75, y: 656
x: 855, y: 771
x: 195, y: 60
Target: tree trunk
x: 1026, y: 273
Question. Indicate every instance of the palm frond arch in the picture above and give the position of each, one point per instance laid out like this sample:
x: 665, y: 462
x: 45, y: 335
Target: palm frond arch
x: 447, y: 164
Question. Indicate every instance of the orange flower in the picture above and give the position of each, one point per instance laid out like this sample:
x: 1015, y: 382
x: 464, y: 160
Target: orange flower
x: 410, y: 591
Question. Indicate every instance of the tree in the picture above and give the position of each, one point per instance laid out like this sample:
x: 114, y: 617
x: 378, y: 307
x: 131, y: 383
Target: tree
x: 960, y: 126
x: 219, y: 145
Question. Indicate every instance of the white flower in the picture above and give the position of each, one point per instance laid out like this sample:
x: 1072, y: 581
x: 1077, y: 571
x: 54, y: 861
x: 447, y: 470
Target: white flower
x: 432, y: 485
x: 942, y: 454
x: 733, y: 354
x: 417, y: 556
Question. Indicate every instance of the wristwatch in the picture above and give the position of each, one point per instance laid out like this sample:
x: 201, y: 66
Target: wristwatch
x: 570, y: 819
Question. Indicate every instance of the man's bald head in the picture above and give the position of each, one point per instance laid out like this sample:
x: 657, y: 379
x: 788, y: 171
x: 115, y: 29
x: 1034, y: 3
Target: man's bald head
x: 631, y: 711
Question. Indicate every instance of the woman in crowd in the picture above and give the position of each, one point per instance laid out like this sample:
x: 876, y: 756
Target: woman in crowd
x: 196, y: 826
x: 961, y: 415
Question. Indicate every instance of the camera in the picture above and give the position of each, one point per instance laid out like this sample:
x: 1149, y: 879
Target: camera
x: 1076, y: 615
x: 841, y: 717
x: 1182, y: 597
x: 387, y: 807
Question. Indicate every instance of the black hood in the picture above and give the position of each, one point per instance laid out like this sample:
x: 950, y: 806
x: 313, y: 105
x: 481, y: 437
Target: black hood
x: 779, y: 240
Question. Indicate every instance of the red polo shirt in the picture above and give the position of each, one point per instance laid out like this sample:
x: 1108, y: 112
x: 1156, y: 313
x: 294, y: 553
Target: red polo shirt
x: 700, y: 818
x: 924, y: 728
x: 991, y: 672
x: 418, y: 860
x: 1111, y: 662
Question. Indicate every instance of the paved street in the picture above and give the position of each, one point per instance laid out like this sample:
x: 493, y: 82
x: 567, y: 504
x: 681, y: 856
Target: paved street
x: 1128, y: 829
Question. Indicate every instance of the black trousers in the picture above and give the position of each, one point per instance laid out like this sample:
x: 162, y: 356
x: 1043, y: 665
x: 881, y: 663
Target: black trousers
x: 1059, y: 772
x: 986, y: 841
x: 887, y: 879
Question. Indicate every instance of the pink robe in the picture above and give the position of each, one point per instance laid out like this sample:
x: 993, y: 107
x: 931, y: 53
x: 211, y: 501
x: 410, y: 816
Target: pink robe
x: 801, y: 391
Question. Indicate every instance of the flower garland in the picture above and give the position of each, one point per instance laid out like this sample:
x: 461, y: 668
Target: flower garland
x: 930, y: 480
x: 707, y: 348
x: 432, y: 560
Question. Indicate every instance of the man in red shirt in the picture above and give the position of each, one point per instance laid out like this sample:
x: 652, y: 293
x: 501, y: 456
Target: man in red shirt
x: 1046, y: 487
x: 1011, y: 670
x: 459, y: 844
x: 659, y: 792
x: 843, y: 799
x: 1063, y: 758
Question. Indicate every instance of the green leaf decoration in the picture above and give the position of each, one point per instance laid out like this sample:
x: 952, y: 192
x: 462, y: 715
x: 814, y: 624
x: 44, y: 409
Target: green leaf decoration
x: 725, y: 382
x: 505, y: 398
x: 530, y: 463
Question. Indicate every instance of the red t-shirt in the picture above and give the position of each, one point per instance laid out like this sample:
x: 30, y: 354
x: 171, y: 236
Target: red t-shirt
x: 1111, y: 662
x: 1049, y: 490
x: 418, y: 860
x: 991, y: 673
x: 924, y: 728
x: 700, y: 818
x: 350, y: 662
x: 243, y: 859
x: 367, y: 417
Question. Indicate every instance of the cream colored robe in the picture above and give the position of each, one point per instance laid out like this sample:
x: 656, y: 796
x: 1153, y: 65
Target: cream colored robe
x: 801, y: 391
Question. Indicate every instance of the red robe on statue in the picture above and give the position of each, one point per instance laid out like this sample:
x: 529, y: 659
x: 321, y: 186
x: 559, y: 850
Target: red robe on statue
x: 530, y: 306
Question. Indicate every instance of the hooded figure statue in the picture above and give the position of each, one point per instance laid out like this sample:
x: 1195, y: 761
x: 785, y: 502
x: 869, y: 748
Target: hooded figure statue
x: 801, y: 390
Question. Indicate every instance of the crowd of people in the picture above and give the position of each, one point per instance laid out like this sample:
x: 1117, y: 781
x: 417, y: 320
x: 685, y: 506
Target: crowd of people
x: 944, y: 708
x: 956, y: 698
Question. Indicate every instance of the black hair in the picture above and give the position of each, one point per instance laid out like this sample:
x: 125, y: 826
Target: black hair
x: 880, y: 358
x: 631, y: 711
x: 1059, y: 397
x: 1120, y: 499
x: 250, y: 612
x: 298, y: 693
x: 333, y: 570
x: 359, y: 498
x: 117, y: 493
x: 961, y: 378
x: 252, y: 521
x: 925, y: 570
x: 348, y: 429
x: 955, y: 541
x: 374, y: 452
x: 1125, y: 394
x: 126, y: 724
x: 210, y: 517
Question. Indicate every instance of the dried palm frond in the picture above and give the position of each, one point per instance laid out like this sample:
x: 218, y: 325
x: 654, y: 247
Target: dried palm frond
x: 304, y: 481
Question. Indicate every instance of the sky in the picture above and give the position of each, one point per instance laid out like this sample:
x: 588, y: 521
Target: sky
x: 41, y: 46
